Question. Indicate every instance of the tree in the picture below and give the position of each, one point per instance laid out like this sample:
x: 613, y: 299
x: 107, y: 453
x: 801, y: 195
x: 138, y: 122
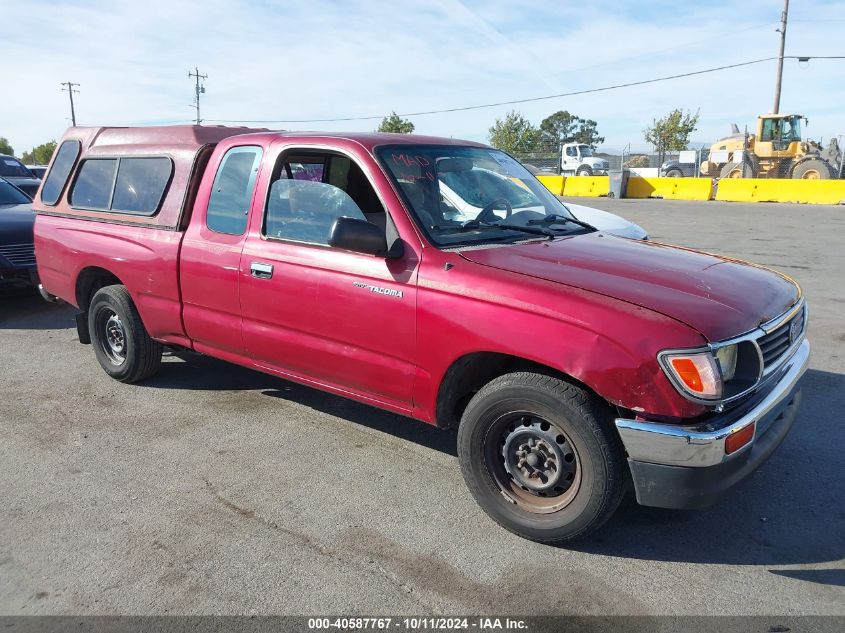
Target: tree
x: 514, y: 133
x: 588, y: 133
x: 394, y: 123
x: 563, y: 127
x: 672, y: 132
x: 5, y: 148
x: 39, y: 155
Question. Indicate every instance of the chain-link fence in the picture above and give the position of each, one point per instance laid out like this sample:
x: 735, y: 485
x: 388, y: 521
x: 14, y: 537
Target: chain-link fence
x: 738, y: 157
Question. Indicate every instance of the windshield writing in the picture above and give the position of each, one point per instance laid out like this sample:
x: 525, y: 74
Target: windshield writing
x: 462, y: 195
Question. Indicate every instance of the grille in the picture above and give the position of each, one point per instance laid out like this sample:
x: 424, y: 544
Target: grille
x: 19, y: 254
x: 774, y: 344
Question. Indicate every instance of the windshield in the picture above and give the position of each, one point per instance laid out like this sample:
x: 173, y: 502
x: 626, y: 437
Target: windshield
x: 585, y: 150
x: 466, y: 195
x: 791, y: 129
x: 11, y: 195
x: 11, y: 167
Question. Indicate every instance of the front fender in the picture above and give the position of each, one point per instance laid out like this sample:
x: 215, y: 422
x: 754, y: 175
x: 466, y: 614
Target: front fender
x: 608, y: 345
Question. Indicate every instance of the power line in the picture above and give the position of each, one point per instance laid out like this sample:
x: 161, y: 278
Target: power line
x: 532, y: 99
x: 71, y: 88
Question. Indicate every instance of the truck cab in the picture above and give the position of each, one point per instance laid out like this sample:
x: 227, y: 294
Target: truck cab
x: 577, y: 159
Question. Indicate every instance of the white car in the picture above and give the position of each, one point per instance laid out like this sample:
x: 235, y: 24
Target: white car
x: 607, y: 222
x: 519, y: 198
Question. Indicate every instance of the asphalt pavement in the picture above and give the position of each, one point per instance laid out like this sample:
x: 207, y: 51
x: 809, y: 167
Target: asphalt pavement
x: 212, y: 489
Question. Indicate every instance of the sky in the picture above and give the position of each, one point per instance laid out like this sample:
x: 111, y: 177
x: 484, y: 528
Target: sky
x: 279, y: 60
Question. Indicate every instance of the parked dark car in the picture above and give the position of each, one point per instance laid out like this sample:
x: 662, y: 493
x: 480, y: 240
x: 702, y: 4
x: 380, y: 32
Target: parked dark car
x: 15, y: 172
x: 38, y: 170
x: 677, y: 169
x: 17, y: 254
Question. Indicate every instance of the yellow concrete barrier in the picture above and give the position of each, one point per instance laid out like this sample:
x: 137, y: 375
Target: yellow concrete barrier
x: 670, y: 188
x: 781, y: 190
x: 593, y: 186
x: 553, y: 183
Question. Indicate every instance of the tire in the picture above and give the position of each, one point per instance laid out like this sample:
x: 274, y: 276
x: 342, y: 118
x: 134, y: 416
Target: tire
x: 569, y: 425
x: 674, y: 173
x: 737, y: 170
x: 812, y: 169
x: 121, y: 343
x: 584, y: 171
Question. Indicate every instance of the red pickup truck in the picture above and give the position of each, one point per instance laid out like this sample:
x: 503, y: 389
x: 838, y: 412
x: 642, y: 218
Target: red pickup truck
x: 573, y: 363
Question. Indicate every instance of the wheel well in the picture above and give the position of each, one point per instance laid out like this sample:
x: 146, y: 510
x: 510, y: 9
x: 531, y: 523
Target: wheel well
x: 89, y: 281
x: 470, y: 373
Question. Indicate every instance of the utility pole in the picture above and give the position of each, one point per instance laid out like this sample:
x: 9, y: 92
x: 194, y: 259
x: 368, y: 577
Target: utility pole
x: 70, y: 89
x: 782, y: 31
x: 198, y: 90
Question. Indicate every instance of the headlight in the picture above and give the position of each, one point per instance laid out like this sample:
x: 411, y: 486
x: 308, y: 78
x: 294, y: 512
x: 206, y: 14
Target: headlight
x: 724, y: 373
x: 726, y: 358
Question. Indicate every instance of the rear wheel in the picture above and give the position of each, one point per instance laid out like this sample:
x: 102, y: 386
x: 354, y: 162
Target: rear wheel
x: 813, y: 169
x: 674, y: 173
x: 541, y: 457
x: 121, y: 344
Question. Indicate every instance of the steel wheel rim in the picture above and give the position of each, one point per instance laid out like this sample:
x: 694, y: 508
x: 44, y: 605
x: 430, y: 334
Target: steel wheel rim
x: 811, y: 174
x: 533, y: 462
x: 111, y: 335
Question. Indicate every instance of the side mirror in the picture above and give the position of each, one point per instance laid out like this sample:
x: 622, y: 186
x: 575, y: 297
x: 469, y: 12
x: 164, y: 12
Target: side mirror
x: 358, y: 236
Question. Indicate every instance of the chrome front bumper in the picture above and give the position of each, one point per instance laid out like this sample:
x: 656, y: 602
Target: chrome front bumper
x: 682, y: 466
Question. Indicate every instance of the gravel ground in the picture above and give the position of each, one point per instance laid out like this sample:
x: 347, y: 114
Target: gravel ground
x: 213, y: 489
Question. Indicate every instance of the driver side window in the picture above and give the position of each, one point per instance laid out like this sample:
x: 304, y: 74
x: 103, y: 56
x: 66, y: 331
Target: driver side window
x: 312, y: 190
x: 304, y: 210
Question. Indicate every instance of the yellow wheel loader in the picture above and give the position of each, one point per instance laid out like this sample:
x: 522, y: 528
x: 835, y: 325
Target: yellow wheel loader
x: 776, y: 150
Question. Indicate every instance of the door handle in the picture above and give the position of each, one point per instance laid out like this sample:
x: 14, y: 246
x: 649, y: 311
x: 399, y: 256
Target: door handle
x: 260, y: 270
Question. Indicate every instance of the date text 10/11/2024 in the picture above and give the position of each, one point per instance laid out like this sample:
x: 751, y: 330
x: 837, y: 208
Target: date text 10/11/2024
x: 417, y: 624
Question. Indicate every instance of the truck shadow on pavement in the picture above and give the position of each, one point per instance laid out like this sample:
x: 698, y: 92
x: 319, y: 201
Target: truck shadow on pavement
x: 789, y: 512
x: 205, y: 373
x: 27, y: 310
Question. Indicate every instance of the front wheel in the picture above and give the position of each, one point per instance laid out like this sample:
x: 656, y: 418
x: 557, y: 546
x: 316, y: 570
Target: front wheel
x: 121, y: 344
x: 541, y: 457
x: 584, y: 171
x: 812, y: 169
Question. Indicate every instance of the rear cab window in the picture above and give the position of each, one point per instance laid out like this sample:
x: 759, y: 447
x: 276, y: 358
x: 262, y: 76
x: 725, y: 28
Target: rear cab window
x: 231, y: 193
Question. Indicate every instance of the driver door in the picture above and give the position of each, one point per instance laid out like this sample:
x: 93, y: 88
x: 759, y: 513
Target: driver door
x: 335, y: 318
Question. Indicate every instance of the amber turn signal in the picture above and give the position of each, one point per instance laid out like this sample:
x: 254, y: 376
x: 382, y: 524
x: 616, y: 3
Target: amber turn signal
x: 738, y: 439
x: 697, y: 374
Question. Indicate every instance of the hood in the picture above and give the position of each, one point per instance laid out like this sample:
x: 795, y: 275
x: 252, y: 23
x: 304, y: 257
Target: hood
x: 719, y: 297
x: 16, y: 222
